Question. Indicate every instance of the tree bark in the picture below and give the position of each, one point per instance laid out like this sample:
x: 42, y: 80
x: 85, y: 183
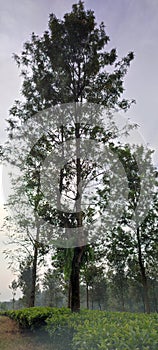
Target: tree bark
x: 34, y: 267
x: 87, y: 295
x: 143, y: 274
x: 69, y: 294
x: 122, y: 297
x: 92, y: 298
x: 34, y: 275
x: 155, y: 299
x: 78, y: 251
x: 122, y: 301
x: 75, y: 279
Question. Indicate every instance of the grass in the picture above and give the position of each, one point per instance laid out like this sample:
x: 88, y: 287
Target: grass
x: 11, y: 338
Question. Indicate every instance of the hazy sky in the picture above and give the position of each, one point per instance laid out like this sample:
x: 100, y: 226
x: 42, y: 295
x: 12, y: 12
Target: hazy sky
x: 132, y: 25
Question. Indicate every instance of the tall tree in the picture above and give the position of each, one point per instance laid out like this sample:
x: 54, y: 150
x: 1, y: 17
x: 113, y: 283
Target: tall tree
x: 69, y: 63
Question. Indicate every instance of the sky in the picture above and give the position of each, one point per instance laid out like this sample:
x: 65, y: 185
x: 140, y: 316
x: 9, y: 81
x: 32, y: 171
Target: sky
x: 132, y: 25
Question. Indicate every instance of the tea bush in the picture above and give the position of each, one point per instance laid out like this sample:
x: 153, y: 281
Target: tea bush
x: 34, y: 317
x: 98, y: 330
x: 92, y: 329
x: 118, y: 332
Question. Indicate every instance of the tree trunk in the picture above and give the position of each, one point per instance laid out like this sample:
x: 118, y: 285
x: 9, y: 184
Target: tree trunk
x: 78, y: 251
x: 34, y: 267
x: 69, y: 295
x: 87, y: 295
x: 146, y: 295
x: 122, y: 302
x: 122, y: 299
x: 75, y: 279
x: 34, y: 275
x: 92, y: 297
x: 155, y: 298
x: 99, y: 304
x: 143, y: 303
x: 143, y: 274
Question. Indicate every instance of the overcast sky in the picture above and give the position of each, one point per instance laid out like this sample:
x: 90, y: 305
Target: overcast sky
x: 132, y: 25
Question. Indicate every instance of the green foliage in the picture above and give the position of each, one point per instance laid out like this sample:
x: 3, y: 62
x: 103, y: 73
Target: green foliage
x: 25, y: 279
x: 117, y: 331
x: 35, y: 317
x: 107, y: 331
x: 53, y: 285
x: 96, y: 330
x: 68, y: 63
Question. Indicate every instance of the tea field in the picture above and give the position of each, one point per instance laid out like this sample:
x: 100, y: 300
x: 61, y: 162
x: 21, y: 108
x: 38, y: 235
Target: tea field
x: 90, y: 329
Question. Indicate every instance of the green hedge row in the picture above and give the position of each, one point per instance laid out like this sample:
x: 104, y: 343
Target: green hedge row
x: 35, y: 317
x: 92, y: 330
x: 98, y: 330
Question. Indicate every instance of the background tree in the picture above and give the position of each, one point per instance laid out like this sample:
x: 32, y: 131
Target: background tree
x: 13, y: 286
x: 133, y: 242
x: 26, y: 233
x: 24, y: 280
x: 53, y: 286
x: 62, y: 262
x: 96, y: 292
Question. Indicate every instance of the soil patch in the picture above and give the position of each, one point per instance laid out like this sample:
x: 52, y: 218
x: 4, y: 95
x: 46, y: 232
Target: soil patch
x: 12, y: 338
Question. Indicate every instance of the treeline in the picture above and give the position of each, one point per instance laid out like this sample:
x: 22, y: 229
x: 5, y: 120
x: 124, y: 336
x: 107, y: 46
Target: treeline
x: 115, y: 292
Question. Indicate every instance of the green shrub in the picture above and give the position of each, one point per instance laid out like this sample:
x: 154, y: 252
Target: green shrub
x: 34, y: 317
x: 97, y: 330
x: 117, y: 331
x: 92, y: 330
